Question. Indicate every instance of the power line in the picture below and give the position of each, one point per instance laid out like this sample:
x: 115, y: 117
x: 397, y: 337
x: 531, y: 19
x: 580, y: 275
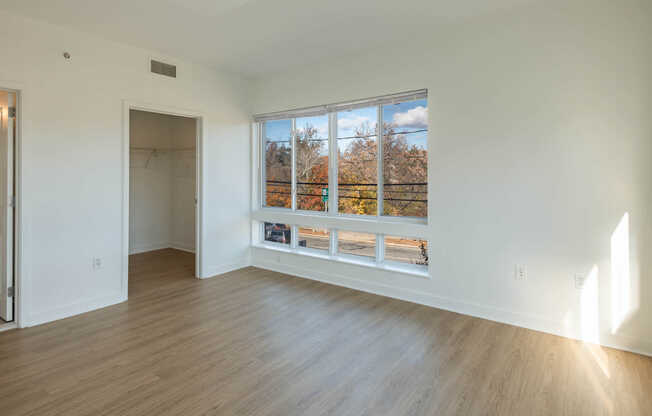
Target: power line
x: 348, y: 184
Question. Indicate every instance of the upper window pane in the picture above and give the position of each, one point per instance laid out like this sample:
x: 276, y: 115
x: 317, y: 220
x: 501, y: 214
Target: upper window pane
x: 357, y: 166
x: 311, y: 141
x: 405, y: 159
x: 278, y: 163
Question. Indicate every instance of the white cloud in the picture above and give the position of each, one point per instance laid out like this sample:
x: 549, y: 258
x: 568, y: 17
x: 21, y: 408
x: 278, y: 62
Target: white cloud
x: 416, y: 118
x: 352, y: 122
x: 322, y: 129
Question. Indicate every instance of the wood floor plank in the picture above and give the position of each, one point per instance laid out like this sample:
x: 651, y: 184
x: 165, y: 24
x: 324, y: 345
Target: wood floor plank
x: 259, y: 343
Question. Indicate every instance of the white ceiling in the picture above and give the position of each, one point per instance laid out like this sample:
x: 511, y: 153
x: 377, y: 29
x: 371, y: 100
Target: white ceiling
x: 255, y: 37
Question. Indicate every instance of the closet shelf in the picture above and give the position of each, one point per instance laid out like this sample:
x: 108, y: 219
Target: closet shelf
x: 161, y: 149
x: 154, y: 151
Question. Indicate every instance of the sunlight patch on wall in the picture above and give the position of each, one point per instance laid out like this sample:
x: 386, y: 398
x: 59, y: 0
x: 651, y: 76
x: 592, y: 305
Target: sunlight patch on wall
x: 589, y: 308
x: 624, y: 293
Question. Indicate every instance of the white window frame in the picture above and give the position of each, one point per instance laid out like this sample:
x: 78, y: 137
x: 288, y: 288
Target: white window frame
x: 332, y: 219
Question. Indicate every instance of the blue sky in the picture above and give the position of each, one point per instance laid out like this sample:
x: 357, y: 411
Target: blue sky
x: 406, y: 117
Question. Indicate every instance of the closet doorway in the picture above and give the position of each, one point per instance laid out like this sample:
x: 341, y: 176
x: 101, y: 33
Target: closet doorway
x: 163, y: 196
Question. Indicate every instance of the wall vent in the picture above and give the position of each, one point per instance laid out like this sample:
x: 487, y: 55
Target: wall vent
x: 162, y: 68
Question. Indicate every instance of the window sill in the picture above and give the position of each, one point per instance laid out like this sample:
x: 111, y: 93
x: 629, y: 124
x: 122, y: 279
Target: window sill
x: 406, y: 269
x: 406, y: 227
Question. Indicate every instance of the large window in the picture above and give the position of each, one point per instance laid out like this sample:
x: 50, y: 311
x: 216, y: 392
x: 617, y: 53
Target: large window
x: 359, y: 165
x: 375, y: 174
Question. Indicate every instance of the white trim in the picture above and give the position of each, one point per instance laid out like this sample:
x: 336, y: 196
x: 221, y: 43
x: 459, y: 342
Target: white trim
x: 372, y: 225
x: 333, y: 196
x: 379, y: 162
x: 7, y: 326
x: 380, y: 248
x: 293, y: 164
x: 347, y: 259
x: 215, y: 271
x: 529, y: 321
x: 22, y: 280
x: 181, y: 246
x: 75, y: 309
x: 255, y: 175
x: 344, y: 105
x: 199, y: 183
x: 144, y: 248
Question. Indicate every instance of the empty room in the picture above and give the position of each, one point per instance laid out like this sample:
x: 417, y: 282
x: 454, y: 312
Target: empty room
x: 361, y: 207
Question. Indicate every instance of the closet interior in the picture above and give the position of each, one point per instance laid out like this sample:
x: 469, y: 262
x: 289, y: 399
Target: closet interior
x: 162, y: 182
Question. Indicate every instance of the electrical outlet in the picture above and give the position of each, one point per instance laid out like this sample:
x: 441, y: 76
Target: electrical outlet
x: 520, y: 272
x: 97, y: 263
x: 579, y: 279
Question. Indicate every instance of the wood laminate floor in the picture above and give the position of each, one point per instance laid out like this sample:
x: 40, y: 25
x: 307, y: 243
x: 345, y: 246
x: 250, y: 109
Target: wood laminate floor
x: 254, y: 342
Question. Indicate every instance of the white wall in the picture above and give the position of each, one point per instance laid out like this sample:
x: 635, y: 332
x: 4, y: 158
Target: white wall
x: 72, y: 162
x: 540, y: 142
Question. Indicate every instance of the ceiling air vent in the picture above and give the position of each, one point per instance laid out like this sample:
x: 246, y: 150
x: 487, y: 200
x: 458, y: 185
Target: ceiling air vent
x: 162, y: 68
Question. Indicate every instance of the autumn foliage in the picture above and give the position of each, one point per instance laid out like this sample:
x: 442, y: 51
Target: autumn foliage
x: 404, y: 173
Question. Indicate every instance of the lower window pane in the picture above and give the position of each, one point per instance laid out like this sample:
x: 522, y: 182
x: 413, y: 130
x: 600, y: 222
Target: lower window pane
x: 278, y: 233
x: 314, y: 238
x: 406, y: 250
x: 358, y: 244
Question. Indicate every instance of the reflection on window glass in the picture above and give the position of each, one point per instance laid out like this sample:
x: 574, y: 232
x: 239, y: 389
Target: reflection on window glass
x: 405, y: 159
x: 357, y: 167
x: 311, y: 141
x: 278, y: 233
x: 314, y: 238
x: 278, y: 163
x: 358, y: 244
x: 406, y: 250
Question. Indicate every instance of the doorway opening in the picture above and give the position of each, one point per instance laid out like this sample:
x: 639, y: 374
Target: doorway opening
x: 163, y: 198
x: 8, y: 141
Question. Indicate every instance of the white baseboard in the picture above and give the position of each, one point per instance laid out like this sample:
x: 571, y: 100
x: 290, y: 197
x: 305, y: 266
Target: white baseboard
x: 7, y: 326
x: 182, y: 246
x: 143, y: 248
x: 73, y: 309
x: 491, y: 313
x: 213, y: 271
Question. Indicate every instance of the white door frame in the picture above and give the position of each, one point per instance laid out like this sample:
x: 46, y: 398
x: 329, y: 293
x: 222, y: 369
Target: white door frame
x: 20, y: 281
x: 199, y: 183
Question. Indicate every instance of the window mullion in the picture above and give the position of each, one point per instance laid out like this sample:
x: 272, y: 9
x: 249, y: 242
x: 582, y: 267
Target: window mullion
x: 333, y: 242
x: 262, y: 167
x: 379, y: 155
x: 294, y: 234
x: 380, y: 248
x: 294, y: 163
x: 332, y: 164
